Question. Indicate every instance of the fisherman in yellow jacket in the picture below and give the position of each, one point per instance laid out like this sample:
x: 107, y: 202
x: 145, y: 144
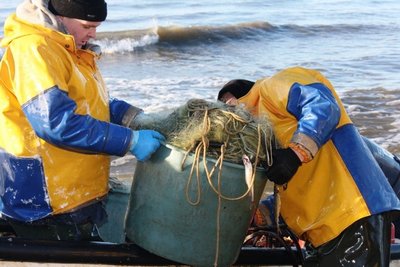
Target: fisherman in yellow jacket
x: 333, y: 193
x: 58, y: 124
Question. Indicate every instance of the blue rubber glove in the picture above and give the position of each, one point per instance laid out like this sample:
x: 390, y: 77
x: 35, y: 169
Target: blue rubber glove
x: 145, y: 143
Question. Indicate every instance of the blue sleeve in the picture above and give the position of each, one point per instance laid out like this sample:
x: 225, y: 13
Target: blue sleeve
x: 315, y: 109
x: 52, y: 116
x: 118, y: 109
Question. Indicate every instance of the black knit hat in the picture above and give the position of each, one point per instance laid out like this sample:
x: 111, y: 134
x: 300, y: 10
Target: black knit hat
x: 238, y: 88
x: 90, y: 10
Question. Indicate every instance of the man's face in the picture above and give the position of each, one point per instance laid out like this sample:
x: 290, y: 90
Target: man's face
x: 82, y: 30
x: 229, y: 99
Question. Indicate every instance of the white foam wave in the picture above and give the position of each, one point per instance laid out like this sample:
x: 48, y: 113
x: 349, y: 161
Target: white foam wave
x: 110, y: 46
x: 394, y: 103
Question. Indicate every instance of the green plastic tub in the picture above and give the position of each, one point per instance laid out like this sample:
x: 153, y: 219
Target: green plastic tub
x: 164, y: 218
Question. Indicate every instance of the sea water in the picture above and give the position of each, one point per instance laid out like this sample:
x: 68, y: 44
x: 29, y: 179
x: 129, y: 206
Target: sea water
x: 158, y: 54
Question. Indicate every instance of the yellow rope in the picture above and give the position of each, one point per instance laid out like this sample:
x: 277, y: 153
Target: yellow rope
x: 218, y: 214
x: 195, y: 163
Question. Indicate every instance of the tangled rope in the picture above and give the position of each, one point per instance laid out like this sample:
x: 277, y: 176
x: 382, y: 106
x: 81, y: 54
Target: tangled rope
x: 216, y: 124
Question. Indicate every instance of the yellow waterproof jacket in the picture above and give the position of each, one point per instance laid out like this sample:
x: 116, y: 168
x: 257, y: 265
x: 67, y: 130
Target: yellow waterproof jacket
x: 58, y: 125
x: 343, y: 183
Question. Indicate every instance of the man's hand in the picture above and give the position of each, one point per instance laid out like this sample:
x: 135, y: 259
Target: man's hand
x: 285, y: 163
x: 145, y: 143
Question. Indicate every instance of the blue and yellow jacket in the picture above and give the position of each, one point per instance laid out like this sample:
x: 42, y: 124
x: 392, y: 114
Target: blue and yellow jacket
x: 58, y: 125
x: 342, y: 183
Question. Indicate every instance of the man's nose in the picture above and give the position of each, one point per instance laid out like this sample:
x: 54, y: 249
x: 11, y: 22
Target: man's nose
x: 92, y: 33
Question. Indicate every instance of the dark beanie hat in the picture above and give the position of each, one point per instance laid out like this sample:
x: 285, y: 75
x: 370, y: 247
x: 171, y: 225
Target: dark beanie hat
x: 90, y: 10
x: 238, y: 88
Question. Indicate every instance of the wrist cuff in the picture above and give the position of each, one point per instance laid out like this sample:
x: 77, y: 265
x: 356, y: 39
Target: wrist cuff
x: 303, y: 153
x: 306, y: 142
x: 130, y: 115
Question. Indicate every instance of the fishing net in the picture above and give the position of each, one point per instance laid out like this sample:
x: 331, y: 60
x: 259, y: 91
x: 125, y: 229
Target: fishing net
x: 215, y: 128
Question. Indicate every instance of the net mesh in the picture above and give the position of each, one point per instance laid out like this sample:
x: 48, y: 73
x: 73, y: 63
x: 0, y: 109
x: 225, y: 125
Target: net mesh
x: 213, y: 124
